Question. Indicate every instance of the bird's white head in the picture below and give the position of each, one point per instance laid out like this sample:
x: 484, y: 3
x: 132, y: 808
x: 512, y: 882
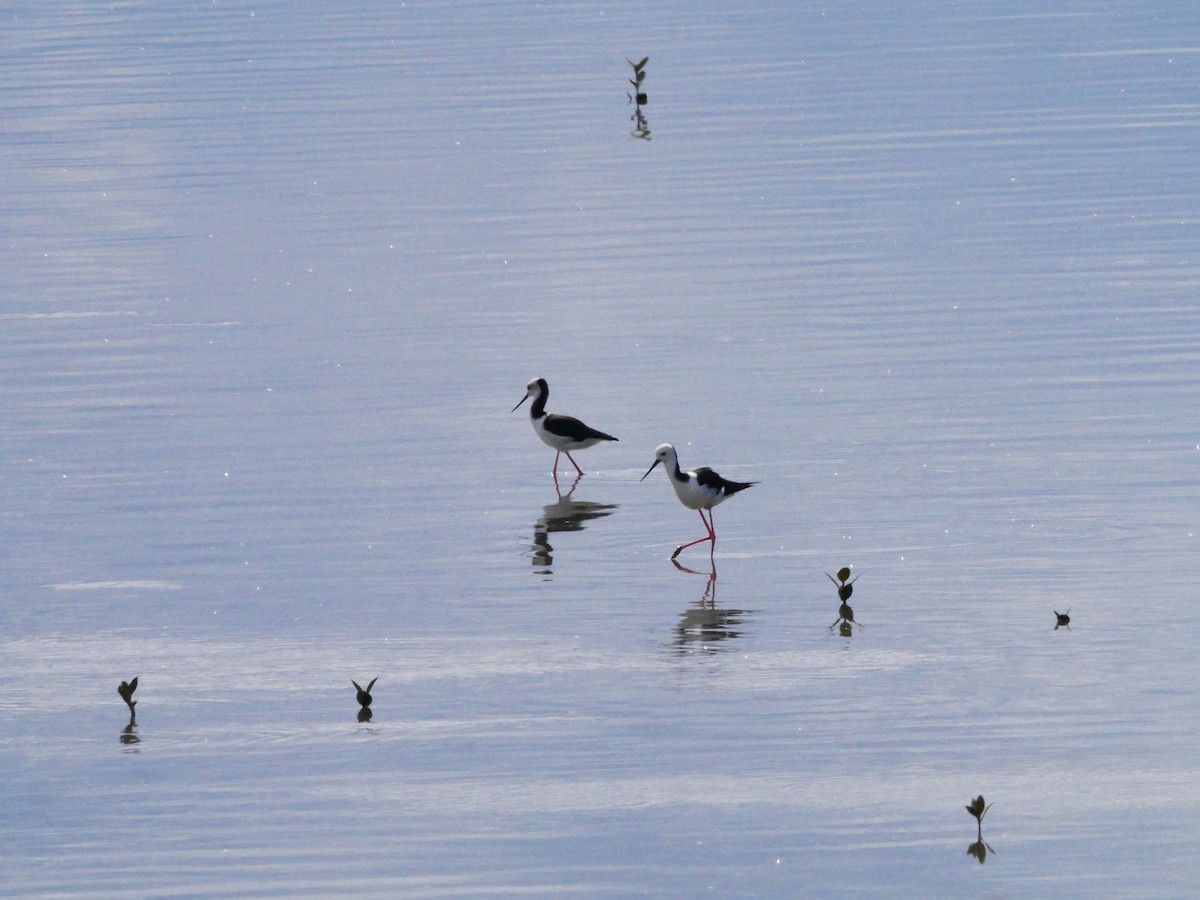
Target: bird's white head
x: 533, y: 389
x: 665, y: 454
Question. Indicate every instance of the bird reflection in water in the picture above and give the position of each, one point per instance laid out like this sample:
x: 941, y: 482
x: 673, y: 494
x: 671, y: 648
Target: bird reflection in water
x: 563, y: 515
x: 704, y: 625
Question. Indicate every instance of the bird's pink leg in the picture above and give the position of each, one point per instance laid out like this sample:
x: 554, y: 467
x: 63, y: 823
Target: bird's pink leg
x: 711, y: 536
x: 554, y: 468
x: 575, y: 464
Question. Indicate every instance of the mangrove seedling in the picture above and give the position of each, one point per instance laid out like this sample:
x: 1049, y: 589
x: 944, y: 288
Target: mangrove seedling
x: 126, y: 689
x: 364, y: 696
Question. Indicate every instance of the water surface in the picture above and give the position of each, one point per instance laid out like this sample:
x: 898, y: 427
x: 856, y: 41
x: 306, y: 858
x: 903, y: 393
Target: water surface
x: 275, y: 276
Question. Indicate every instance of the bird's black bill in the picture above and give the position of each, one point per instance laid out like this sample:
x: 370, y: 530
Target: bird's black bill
x: 649, y: 470
x: 518, y: 406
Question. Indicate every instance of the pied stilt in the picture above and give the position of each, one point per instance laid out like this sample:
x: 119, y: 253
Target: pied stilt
x: 698, y: 489
x: 563, y: 433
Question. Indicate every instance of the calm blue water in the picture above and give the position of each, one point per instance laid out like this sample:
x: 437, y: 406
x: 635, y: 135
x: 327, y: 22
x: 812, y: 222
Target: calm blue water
x: 273, y: 277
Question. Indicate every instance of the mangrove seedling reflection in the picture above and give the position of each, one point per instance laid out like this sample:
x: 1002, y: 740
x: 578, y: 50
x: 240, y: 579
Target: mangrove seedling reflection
x: 126, y: 689
x: 980, y: 849
x: 1064, y: 619
x: 638, y: 98
x: 845, y: 586
x: 845, y: 619
x: 364, y: 699
x: 129, y: 735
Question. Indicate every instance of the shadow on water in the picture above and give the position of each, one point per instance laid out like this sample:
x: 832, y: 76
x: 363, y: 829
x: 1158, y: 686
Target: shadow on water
x: 704, y: 625
x: 564, y: 515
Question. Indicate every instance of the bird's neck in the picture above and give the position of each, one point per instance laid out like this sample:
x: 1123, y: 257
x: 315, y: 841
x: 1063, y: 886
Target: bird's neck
x: 539, y: 407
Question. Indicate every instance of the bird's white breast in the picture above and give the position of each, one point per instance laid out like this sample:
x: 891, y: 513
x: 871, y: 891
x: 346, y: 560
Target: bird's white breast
x: 693, y: 495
